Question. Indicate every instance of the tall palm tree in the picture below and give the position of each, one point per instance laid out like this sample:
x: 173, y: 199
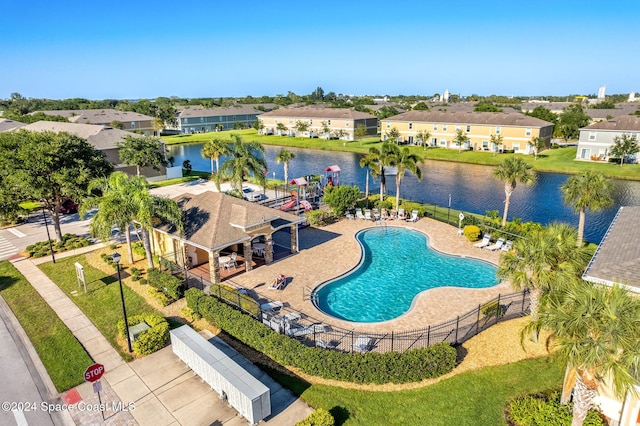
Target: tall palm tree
x: 113, y: 204
x: 370, y: 162
x: 379, y: 159
x: 284, y: 157
x: 590, y: 190
x: 403, y: 160
x: 245, y: 158
x: 543, y: 261
x: 214, y: 149
x: 595, y: 331
x: 511, y: 171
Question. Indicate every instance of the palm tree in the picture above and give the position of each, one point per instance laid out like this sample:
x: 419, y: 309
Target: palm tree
x: 424, y: 137
x: 595, y: 331
x: 496, y: 140
x: 590, y: 190
x: 543, y: 261
x: 369, y: 161
x: 284, y: 156
x: 245, y: 158
x: 511, y: 171
x: 403, y: 160
x: 379, y: 159
x: 538, y: 145
x: 214, y: 149
x: 114, y: 206
x: 460, y: 139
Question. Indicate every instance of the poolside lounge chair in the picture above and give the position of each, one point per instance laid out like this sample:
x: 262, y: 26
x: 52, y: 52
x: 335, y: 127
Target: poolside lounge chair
x: 384, y: 214
x: 401, y: 214
x: 486, y: 240
x: 278, y: 283
x: 414, y: 216
x: 497, y: 245
x: 349, y: 215
x: 367, y: 214
x: 325, y: 344
x: 272, y: 306
x: 375, y: 213
x: 359, y: 214
x: 296, y: 330
x: 508, y: 245
x: 363, y: 344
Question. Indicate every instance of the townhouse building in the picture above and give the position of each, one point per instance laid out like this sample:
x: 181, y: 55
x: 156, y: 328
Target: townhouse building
x: 326, y: 123
x: 197, y: 119
x: 131, y: 121
x: 516, y: 130
x: 596, y: 140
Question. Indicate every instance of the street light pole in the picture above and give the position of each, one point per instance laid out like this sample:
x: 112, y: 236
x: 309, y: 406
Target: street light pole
x: 449, y: 209
x: 116, y: 258
x: 46, y: 225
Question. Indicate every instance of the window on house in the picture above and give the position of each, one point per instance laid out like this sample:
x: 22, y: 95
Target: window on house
x: 311, y: 121
x: 328, y: 122
x: 410, y: 126
x: 515, y: 147
x: 444, y: 127
x: 435, y: 127
x: 457, y: 128
x: 592, y: 136
x: 443, y: 142
x: 527, y: 132
x: 434, y: 141
x: 498, y: 130
x: 485, y: 145
x: 388, y: 125
x: 346, y: 123
x: 133, y: 124
x: 468, y: 128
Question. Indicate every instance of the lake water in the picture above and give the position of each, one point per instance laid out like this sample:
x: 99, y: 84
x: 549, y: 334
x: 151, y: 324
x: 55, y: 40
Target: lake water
x: 472, y: 187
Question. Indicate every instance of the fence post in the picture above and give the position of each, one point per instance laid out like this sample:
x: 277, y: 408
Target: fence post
x: 478, y: 320
x: 428, y: 335
x: 391, y: 340
x: 457, y: 324
x: 351, y: 340
x: 201, y: 283
x: 524, y: 293
x: 498, y: 316
x: 239, y: 304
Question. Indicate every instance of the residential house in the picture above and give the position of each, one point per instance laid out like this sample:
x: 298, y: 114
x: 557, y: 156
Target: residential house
x: 130, y: 121
x: 103, y: 138
x: 596, y: 140
x: 617, y: 260
x: 215, y: 224
x: 197, y: 119
x: 327, y: 123
x: 7, y: 125
x: 517, y: 130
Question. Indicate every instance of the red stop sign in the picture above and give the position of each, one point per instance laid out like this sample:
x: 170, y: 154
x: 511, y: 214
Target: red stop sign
x: 94, y: 372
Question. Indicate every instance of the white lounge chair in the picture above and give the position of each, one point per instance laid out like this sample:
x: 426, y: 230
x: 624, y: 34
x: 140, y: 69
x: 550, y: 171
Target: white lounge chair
x: 359, y: 214
x: 414, y: 216
x: 486, y: 240
x: 349, y: 215
x: 272, y: 306
x: 508, y: 245
x: 367, y: 214
x: 401, y: 214
x: 376, y: 214
x: 497, y: 245
x: 363, y: 344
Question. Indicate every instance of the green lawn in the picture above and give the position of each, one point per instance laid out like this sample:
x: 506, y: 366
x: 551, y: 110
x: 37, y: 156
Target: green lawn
x: 62, y: 355
x: 560, y: 160
x: 102, y: 302
x: 471, y: 398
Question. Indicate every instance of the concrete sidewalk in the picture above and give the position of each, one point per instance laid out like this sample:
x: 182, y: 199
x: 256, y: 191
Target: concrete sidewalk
x: 155, y: 390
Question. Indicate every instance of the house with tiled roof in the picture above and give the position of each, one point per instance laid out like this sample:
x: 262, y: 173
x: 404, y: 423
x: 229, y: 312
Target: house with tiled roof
x: 197, y: 119
x: 596, y: 140
x: 7, y: 125
x: 131, y: 121
x: 101, y: 137
x: 215, y: 225
x: 327, y: 123
x: 517, y: 130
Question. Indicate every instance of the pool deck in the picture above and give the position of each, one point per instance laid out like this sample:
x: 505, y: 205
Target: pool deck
x: 328, y: 252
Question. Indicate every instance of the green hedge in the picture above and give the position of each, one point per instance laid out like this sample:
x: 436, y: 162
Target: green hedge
x: 545, y: 409
x: 320, y: 417
x: 165, y: 282
x: 372, y: 367
x: 151, y: 340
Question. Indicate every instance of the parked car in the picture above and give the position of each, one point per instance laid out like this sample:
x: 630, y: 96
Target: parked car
x: 69, y: 206
x: 250, y: 195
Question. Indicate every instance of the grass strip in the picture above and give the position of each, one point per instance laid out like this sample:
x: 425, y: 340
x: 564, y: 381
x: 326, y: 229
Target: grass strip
x: 62, y: 355
x: 102, y: 302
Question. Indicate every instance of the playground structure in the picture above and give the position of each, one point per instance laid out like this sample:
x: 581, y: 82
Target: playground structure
x: 303, y: 194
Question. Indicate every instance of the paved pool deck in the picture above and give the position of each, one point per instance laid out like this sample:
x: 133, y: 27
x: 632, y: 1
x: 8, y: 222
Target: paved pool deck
x: 330, y: 251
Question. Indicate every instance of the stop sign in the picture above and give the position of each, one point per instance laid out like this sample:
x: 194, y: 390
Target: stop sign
x: 94, y: 372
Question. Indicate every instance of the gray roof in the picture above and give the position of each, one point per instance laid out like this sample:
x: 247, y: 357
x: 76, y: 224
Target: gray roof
x: 467, y: 117
x: 618, y: 124
x: 198, y: 111
x: 617, y: 259
x: 214, y: 220
x: 99, y: 136
x: 99, y: 116
x: 7, y: 125
x: 328, y: 113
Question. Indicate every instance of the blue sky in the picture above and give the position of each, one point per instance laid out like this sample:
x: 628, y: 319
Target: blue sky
x: 206, y: 48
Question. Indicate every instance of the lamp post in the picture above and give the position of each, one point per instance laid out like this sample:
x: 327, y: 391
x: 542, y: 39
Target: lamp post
x: 449, y: 208
x: 46, y: 225
x: 116, y: 258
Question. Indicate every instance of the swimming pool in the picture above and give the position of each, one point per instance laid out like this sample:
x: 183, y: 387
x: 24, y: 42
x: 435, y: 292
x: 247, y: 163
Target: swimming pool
x: 396, y: 265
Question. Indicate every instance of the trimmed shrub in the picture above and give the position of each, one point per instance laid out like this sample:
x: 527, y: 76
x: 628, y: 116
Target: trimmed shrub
x: 165, y: 282
x: 135, y: 273
x: 472, y: 232
x: 155, y: 338
x: 69, y: 242
x: 320, y: 417
x: 159, y: 296
x: 320, y: 217
x: 138, y: 248
x: 372, y: 367
x: 545, y: 409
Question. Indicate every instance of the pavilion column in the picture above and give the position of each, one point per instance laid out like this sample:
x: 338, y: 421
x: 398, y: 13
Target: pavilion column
x: 248, y: 253
x: 268, y: 249
x: 293, y: 231
x: 214, y: 267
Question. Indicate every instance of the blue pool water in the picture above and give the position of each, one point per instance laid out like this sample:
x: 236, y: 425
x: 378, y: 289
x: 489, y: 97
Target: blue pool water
x: 397, y: 264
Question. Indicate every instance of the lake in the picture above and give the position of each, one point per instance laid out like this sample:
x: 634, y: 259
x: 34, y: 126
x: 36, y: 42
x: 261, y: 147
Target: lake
x: 471, y: 187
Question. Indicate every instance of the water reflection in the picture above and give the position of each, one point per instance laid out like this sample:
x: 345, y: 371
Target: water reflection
x: 472, y: 187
